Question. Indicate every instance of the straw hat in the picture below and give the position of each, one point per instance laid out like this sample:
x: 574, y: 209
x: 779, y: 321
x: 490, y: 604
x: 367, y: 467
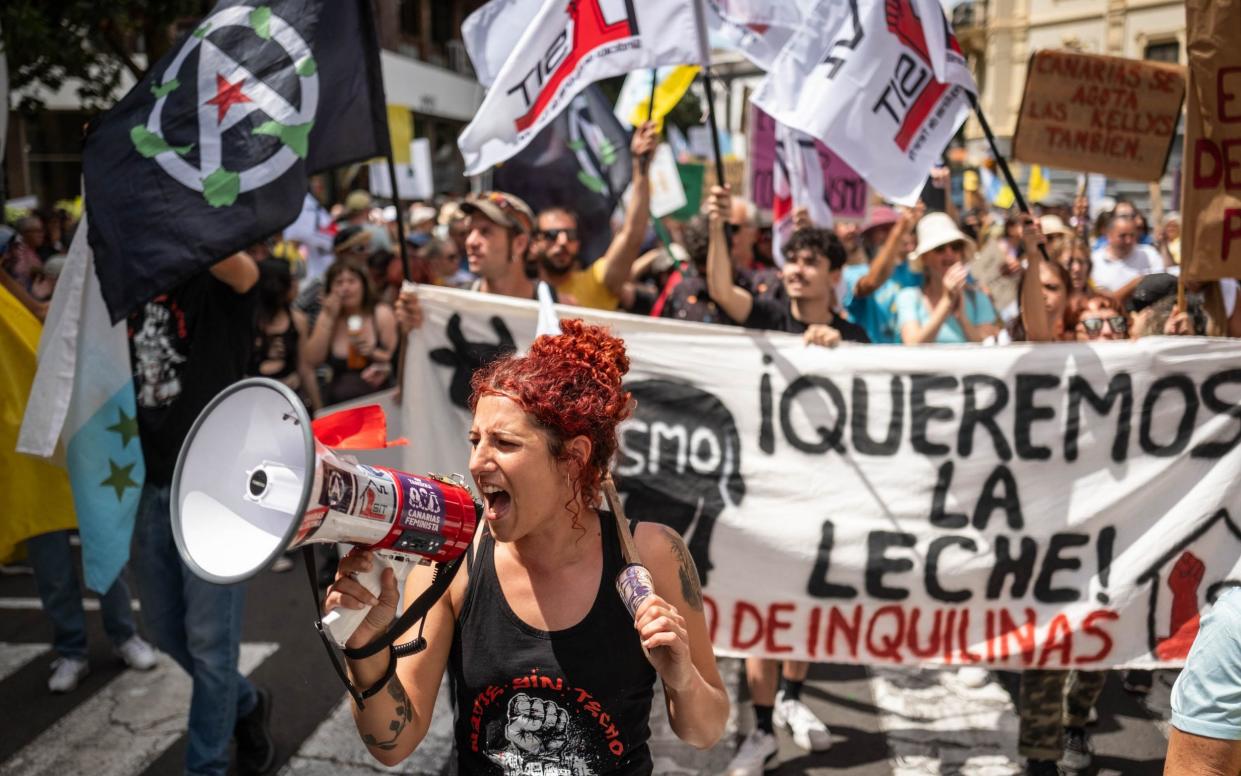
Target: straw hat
x: 937, y: 229
x: 1053, y: 225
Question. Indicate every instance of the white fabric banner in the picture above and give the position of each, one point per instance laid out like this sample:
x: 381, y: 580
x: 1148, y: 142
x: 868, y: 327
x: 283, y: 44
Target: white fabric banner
x: 881, y: 82
x: 799, y: 183
x: 757, y: 29
x: 1044, y: 506
x: 567, y: 46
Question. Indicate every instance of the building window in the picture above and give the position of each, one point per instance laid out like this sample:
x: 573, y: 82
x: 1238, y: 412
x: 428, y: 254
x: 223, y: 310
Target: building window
x: 441, y: 22
x: 411, y: 18
x: 1168, y: 51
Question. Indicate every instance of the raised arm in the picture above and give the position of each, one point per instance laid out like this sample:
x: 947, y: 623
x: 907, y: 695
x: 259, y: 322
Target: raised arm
x: 734, y: 300
x: 674, y: 629
x: 621, y: 254
x: 238, y: 272
x: 1033, y: 305
x: 890, y: 252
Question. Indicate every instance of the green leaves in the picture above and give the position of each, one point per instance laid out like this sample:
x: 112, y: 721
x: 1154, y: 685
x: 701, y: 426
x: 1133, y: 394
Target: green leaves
x: 163, y: 90
x: 591, y: 182
x: 150, y: 144
x: 221, y: 188
x: 307, y: 67
x: 260, y: 20
x: 295, y: 136
x: 202, y: 30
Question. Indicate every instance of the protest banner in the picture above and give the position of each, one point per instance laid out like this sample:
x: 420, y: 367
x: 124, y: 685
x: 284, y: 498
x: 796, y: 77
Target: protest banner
x: 1101, y: 114
x: 1029, y: 506
x: 1211, y: 187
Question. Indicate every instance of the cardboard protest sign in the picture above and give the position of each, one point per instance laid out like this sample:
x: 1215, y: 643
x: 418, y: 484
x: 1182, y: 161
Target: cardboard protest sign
x: 1099, y: 114
x: 1211, y: 186
x: 1031, y: 506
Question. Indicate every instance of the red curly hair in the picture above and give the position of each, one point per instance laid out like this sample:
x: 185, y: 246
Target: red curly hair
x: 571, y: 385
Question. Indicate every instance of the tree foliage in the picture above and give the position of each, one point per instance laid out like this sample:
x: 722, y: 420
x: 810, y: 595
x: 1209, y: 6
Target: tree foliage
x: 90, y: 43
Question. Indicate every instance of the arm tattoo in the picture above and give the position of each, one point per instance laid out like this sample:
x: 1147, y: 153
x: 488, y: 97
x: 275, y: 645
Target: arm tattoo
x: 686, y: 570
x: 404, y: 713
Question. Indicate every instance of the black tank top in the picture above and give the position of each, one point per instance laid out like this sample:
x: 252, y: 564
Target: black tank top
x: 574, y: 702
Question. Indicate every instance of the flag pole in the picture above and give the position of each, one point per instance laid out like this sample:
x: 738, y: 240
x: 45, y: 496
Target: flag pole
x: 1002, y: 163
x: 650, y: 108
x: 400, y: 216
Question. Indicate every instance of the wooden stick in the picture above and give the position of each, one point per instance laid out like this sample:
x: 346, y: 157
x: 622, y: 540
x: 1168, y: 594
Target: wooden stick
x: 629, y: 550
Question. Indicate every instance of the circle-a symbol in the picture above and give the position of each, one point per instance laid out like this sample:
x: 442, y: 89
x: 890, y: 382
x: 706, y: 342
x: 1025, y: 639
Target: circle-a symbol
x: 228, y: 92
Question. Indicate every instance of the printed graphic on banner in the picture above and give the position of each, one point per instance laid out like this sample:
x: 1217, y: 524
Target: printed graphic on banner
x: 338, y: 489
x: 1101, y: 114
x: 936, y: 505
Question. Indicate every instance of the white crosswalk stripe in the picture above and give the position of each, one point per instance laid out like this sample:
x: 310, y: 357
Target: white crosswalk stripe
x: 121, y: 729
x: 935, y: 724
x: 14, y: 656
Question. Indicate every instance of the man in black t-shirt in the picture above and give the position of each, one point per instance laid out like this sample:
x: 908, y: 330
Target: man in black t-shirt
x: 185, y: 347
x: 813, y: 260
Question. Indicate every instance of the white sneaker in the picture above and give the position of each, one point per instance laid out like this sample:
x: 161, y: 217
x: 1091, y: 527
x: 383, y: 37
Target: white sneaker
x: 808, y: 730
x: 756, y: 754
x: 137, y: 653
x: 66, y: 673
x: 973, y: 677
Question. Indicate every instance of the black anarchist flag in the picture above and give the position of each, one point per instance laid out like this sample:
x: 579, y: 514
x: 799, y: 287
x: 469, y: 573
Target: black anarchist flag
x: 210, y: 152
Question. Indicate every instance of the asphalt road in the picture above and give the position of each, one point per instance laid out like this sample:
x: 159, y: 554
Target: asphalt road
x: 883, y: 721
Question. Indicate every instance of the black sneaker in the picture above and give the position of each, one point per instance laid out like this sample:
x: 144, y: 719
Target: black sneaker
x: 1078, y: 753
x: 256, y: 751
x: 1041, y: 768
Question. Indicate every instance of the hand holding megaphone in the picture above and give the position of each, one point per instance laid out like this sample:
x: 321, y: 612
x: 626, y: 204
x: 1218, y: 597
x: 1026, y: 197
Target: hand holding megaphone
x: 365, y: 588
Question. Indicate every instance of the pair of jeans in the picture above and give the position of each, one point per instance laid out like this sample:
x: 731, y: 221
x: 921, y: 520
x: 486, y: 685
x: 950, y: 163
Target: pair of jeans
x: 56, y: 576
x: 198, y: 624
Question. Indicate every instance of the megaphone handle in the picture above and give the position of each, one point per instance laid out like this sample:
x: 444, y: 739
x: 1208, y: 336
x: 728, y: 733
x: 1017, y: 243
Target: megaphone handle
x: 342, y: 622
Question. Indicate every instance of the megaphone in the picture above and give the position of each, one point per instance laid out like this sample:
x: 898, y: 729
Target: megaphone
x: 251, y: 481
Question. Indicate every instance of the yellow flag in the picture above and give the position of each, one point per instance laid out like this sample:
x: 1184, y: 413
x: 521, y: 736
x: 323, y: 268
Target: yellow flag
x: 1005, y: 199
x: 400, y: 131
x: 36, y: 493
x: 1039, y: 187
x: 668, y: 93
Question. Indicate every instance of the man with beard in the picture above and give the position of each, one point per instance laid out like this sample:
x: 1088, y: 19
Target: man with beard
x: 556, y: 246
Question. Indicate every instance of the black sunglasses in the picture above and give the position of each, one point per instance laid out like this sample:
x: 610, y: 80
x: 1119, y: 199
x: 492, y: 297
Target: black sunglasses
x: 551, y: 235
x: 1094, y: 326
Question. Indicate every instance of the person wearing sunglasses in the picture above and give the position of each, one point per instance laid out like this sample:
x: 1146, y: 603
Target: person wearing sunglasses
x: 947, y: 309
x: 557, y: 245
x: 1098, y: 317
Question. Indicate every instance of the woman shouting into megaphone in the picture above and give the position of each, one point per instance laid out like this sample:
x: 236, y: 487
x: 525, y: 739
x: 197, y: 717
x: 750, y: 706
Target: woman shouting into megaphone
x: 551, y: 673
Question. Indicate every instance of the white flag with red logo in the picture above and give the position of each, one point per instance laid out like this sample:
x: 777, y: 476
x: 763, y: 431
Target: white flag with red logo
x: 881, y: 82
x: 757, y: 29
x: 797, y: 182
x: 567, y: 46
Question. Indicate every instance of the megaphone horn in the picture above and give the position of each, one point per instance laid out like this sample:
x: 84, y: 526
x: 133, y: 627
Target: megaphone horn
x: 251, y: 481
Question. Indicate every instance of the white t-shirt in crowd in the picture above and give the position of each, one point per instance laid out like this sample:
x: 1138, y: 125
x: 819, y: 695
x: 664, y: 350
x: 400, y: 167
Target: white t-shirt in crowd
x: 1111, y: 274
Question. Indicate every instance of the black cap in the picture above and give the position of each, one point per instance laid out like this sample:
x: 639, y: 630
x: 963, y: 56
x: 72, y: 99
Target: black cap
x: 1151, y: 290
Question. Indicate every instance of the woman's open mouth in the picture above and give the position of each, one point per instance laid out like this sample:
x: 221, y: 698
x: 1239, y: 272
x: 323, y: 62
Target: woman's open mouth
x: 496, y: 502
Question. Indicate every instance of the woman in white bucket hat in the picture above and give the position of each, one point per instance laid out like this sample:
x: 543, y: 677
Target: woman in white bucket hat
x: 947, y: 308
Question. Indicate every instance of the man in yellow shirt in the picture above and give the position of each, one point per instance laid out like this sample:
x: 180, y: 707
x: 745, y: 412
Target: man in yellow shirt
x: 557, y: 246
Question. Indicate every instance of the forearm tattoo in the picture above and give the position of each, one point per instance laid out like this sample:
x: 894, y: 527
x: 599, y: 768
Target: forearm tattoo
x: 404, y: 712
x: 686, y: 570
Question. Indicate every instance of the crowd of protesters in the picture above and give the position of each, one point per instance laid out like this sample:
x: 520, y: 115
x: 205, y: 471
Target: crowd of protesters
x: 330, y: 327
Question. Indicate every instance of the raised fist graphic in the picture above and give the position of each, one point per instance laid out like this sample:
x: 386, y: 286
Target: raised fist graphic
x: 903, y: 22
x: 1183, y: 581
x: 537, y: 727
x: 466, y: 357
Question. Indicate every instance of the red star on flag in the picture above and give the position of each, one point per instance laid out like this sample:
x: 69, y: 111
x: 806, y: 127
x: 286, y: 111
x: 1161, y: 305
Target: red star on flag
x: 227, y: 95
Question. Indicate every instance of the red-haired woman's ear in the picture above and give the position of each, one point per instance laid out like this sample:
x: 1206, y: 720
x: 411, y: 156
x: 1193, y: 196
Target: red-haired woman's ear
x: 579, y: 449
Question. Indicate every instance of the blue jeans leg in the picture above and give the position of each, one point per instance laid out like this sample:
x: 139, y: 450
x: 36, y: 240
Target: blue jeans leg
x: 198, y: 624
x: 56, y: 577
x: 116, y: 606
